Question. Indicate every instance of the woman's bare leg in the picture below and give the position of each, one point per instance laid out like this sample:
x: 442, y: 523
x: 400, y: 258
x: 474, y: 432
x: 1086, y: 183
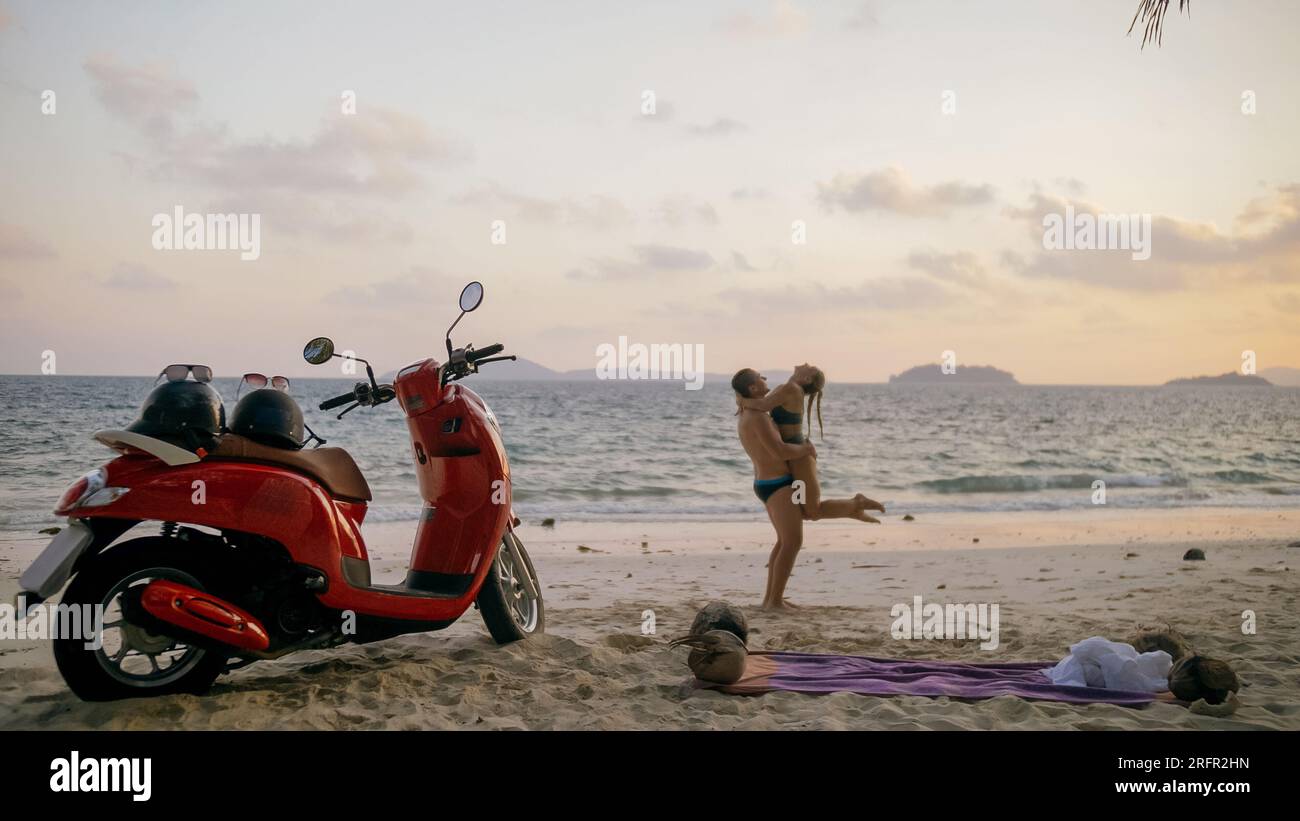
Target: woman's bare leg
x: 787, y: 518
x: 816, y: 508
x: 869, y: 504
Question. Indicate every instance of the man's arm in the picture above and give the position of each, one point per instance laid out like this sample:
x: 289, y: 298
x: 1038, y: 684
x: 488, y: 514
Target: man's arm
x: 770, y: 439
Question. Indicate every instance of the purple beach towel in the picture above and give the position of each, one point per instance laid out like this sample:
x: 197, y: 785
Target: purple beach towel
x: 767, y: 672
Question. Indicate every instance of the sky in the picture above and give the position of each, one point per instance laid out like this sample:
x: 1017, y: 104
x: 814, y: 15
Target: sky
x: 861, y: 185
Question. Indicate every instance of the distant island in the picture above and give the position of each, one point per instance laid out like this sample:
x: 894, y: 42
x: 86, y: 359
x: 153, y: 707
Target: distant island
x: 964, y: 375
x: 1229, y: 378
x: 1284, y: 377
x: 526, y: 370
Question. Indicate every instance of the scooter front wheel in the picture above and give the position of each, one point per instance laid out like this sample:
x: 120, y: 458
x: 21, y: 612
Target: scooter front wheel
x: 511, y: 597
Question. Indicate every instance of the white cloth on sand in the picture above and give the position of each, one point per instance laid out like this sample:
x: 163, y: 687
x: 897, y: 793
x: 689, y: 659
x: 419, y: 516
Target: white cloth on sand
x: 1097, y: 662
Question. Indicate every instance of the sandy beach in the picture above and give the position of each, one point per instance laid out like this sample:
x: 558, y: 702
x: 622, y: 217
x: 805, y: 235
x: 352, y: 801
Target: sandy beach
x: 1057, y: 578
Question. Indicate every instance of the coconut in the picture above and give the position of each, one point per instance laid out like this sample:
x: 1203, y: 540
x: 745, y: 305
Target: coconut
x: 1197, y: 677
x: 717, y: 656
x: 721, y: 615
x: 1150, y: 639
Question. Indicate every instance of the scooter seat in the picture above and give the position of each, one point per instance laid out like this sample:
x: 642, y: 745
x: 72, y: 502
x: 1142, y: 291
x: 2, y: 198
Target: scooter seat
x: 332, y: 467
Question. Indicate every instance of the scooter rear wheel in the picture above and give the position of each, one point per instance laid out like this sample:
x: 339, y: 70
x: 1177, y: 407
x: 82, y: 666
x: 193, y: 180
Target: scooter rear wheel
x: 131, y: 662
x: 510, y: 612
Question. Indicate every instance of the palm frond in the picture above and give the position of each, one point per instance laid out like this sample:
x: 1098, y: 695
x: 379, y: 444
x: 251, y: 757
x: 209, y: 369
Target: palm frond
x: 1152, y: 15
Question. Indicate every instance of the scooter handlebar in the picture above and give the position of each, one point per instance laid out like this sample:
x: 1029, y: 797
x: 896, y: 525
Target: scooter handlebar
x: 474, y: 356
x: 338, y: 401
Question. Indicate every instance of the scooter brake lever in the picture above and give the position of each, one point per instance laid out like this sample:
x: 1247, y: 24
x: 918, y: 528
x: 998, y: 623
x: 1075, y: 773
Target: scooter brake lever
x: 349, y: 408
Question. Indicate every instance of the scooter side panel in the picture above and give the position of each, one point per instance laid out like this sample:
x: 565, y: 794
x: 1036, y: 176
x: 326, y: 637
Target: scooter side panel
x: 291, y: 509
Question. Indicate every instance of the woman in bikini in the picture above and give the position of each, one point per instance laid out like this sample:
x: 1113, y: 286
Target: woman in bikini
x: 785, y: 404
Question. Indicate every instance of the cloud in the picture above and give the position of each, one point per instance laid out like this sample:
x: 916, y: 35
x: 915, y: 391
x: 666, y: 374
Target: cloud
x: 1265, y: 247
x: 649, y: 260
x: 1275, y: 219
x: 600, y: 212
x: 128, y: 277
x: 1173, y: 239
x: 962, y: 268
x: 380, y: 152
x: 17, y: 242
x: 774, y: 262
x: 1109, y: 269
x: 892, y: 190
x: 739, y: 262
x: 783, y: 19
x: 419, y: 287
x: 145, y: 95
x: 1071, y: 184
x: 721, y: 127
x: 680, y: 210
x: 292, y: 215
x: 670, y: 258
x: 749, y: 194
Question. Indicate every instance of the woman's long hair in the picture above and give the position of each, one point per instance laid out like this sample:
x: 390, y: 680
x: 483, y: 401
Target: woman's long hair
x: 814, y: 388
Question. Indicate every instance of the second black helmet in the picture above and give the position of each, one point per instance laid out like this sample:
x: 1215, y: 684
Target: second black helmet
x: 269, y: 417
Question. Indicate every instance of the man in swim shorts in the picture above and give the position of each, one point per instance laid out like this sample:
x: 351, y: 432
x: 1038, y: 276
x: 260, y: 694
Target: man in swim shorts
x: 772, y: 484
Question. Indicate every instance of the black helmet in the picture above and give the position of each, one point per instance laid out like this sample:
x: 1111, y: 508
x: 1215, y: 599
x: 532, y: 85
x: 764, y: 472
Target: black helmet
x: 270, y: 417
x: 187, y: 414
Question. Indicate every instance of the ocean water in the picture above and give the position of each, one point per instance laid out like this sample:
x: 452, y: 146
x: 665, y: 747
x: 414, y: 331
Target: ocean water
x: 652, y: 450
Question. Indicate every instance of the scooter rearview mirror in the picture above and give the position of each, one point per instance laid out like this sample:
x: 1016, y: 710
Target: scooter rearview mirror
x: 319, y: 350
x: 471, y: 297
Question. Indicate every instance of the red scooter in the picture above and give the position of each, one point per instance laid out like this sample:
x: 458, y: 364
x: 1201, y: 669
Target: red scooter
x: 272, y: 559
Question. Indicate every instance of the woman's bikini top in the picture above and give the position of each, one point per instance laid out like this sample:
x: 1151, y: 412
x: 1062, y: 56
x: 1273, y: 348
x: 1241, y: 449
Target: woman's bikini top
x: 781, y: 416
x: 784, y: 417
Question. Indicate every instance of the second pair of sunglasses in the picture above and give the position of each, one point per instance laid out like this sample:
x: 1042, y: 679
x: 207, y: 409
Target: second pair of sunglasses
x: 257, y: 380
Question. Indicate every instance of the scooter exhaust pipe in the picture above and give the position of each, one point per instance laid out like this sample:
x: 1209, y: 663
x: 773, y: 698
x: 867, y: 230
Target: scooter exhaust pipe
x: 204, y: 614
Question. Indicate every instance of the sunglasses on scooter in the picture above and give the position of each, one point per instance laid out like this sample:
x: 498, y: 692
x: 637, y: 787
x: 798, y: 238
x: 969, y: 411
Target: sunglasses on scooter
x: 177, y: 373
x: 254, y: 381
x: 257, y: 380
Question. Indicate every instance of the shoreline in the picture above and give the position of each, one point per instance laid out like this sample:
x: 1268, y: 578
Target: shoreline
x: 928, y: 532
x: 1197, y: 522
